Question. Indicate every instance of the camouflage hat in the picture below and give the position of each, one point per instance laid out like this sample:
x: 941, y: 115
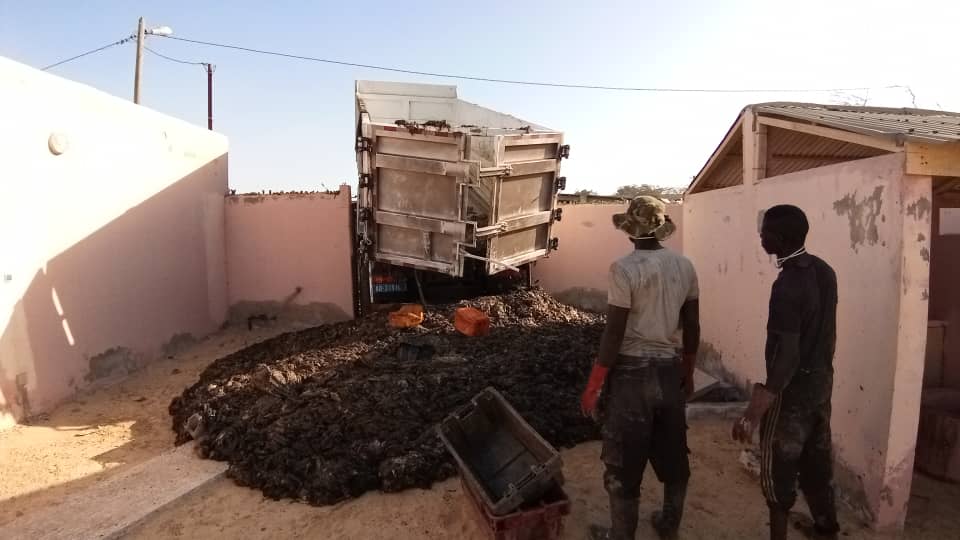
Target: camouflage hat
x: 645, y: 218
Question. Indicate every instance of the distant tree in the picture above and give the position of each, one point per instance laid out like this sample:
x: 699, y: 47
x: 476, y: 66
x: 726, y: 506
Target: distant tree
x: 662, y: 192
x: 585, y: 192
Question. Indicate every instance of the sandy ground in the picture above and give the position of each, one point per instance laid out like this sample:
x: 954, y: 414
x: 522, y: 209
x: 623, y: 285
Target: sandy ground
x: 724, y: 503
x: 105, y: 430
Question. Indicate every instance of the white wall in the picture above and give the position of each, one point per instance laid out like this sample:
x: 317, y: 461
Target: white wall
x: 111, y: 248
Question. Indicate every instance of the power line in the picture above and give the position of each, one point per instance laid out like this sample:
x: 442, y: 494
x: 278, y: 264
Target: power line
x: 81, y: 55
x: 172, y: 59
x: 527, y: 83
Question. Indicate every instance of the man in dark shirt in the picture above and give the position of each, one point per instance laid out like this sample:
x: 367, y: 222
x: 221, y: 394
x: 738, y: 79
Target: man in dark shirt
x: 793, y: 407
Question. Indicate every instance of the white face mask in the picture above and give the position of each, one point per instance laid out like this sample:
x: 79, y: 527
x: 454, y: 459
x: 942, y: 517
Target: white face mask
x: 796, y: 253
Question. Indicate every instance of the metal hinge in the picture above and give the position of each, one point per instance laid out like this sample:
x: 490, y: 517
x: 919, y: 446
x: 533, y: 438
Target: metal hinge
x: 365, y: 214
x: 366, y: 180
x: 558, y: 214
x: 561, y: 183
x: 505, y: 170
x: 564, y: 151
x: 364, y: 144
x: 554, y: 243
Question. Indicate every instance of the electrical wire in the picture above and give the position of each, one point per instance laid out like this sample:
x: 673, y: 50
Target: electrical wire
x: 81, y: 55
x: 520, y: 82
x: 172, y: 59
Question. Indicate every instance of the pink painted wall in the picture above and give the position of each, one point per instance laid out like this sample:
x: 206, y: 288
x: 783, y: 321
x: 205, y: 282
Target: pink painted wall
x: 276, y: 243
x: 577, y: 272
x: 945, y: 289
x: 114, y: 218
x: 872, y: 225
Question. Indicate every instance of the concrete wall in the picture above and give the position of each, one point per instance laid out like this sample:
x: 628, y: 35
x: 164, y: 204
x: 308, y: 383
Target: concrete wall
x: 112, y: 245
x: 279, y: 243
x: 577, y: 272
x: 945, y: 288
x: 873, y: 226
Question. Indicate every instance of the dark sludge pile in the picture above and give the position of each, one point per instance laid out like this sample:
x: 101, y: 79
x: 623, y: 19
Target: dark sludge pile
x: 328, y: 413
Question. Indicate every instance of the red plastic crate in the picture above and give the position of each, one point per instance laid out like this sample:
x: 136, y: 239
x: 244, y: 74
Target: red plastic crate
x: 542, y: 521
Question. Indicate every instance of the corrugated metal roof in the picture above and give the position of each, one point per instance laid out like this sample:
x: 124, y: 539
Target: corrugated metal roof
x: 907, y: 124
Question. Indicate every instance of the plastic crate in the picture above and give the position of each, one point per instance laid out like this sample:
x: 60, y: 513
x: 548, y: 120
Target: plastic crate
x: 540, y: 521
x: 503, y: 460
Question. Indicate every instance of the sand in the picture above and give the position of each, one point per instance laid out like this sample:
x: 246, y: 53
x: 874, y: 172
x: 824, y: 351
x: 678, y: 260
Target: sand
x: 104, y: 431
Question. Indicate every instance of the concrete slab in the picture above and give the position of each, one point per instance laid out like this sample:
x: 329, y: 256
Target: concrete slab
x: 111, y: 507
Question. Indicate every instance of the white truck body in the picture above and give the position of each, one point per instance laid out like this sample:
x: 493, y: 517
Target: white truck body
x: 443, y: 180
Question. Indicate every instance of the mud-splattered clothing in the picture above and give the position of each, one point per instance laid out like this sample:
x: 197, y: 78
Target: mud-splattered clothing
x: 653, y: 285
x: 644, y: 419
x: 795, y: 437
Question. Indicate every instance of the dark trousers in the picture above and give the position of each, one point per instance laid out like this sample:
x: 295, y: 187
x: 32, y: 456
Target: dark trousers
x: 796, y: 447
x: 644, y: 419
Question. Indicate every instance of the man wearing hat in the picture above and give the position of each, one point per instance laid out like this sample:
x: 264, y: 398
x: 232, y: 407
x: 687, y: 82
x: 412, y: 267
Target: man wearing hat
x: 645, y: 372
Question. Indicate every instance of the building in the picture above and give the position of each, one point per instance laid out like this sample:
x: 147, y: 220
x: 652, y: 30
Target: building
x: 882, y: 190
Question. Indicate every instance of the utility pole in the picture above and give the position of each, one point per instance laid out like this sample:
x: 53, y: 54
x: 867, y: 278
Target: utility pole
x: 210, y: 68
x: 136, y: 73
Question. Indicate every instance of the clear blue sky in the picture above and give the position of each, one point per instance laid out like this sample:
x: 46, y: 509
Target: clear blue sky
x: 290, y: 123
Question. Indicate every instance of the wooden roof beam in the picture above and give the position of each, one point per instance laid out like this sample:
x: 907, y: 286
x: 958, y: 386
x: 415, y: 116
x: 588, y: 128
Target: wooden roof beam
x: 831, y: 133
x: 933, y: 159
x: 716, y: 157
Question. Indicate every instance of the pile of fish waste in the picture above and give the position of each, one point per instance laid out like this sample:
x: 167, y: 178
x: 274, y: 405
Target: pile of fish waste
x: 331, y: 412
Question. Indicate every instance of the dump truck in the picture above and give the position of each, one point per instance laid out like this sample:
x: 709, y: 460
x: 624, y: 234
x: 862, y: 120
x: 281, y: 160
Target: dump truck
x: 453, y: 199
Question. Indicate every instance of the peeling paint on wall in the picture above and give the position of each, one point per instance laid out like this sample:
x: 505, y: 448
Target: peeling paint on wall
x: 920, y: 209
x: 862, y: 214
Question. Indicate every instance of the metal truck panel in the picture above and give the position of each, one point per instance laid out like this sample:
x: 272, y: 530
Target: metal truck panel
x: 443, y: 180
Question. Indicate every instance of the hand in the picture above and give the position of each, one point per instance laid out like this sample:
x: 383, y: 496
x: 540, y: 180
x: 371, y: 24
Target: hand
x: 588, y: 401
x: 760, y: 401
x: 743, y: 430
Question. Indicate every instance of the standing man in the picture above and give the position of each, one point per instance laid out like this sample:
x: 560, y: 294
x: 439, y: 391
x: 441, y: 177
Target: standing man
x: 652, y: 302
x: 794, y: 403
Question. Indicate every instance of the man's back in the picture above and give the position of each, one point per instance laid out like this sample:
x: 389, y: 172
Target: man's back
x: 653, y: 285
x: 804, y: 298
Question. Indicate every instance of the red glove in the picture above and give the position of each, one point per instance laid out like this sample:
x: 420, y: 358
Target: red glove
x: 588, y: 402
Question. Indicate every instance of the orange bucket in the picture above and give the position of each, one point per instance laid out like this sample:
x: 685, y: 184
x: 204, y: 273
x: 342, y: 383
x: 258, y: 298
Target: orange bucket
x: 471, y: 322
x: 407, y: 316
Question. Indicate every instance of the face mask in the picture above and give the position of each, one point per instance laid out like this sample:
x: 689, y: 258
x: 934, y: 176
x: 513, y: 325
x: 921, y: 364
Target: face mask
x: 796, y: 253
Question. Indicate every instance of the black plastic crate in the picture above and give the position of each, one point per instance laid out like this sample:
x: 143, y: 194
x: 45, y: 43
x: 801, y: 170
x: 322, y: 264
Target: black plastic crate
x: 501, y: 458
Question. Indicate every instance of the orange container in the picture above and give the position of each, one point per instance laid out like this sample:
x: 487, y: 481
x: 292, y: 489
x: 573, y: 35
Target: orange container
x: 407, y: 316
x: 471, y: 322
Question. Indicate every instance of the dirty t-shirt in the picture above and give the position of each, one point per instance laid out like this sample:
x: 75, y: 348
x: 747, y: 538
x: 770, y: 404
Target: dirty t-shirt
x: 653, y: 285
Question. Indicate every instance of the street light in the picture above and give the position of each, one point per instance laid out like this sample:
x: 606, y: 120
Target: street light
x: 141, y: 33
x: 164, y: 31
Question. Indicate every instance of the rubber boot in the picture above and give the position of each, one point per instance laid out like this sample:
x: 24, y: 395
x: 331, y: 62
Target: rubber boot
x: 778, y: 524
x: 624, y: 516
x: 667, y: 521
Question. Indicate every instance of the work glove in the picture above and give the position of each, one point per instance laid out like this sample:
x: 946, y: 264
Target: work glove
x: 760, y: 401
x: 588, y: 401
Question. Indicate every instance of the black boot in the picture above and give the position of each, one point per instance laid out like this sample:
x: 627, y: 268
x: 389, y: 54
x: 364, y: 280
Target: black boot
x: 667, y: 521
x: 624, y: 516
